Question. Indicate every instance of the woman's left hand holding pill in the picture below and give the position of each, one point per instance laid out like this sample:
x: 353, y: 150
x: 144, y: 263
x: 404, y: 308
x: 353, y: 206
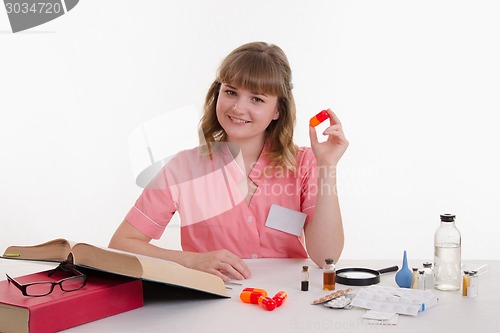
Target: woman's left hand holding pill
x: 221, y: 263
x: 329, y: 152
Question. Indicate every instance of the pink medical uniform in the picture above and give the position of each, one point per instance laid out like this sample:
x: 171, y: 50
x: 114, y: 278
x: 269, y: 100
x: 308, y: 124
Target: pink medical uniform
x: 209, y: 195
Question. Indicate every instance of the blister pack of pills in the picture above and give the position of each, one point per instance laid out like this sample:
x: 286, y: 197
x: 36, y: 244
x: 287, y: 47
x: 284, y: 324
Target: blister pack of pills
x: 395, y: 300
x: 341, y: 302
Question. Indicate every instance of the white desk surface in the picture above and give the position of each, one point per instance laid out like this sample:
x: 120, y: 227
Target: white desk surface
x: 178, y: 312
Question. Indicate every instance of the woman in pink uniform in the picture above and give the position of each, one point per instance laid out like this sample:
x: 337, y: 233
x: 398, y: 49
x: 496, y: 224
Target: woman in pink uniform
x: 247, y: 191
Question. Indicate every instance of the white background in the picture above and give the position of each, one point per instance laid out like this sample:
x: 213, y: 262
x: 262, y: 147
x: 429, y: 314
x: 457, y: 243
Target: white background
x: 415, y: 83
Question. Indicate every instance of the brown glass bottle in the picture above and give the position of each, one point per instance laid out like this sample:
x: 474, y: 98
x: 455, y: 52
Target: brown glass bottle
x: 329, y: 275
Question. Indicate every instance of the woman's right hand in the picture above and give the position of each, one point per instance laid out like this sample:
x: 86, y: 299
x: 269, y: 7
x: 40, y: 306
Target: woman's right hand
x: 221, y: 263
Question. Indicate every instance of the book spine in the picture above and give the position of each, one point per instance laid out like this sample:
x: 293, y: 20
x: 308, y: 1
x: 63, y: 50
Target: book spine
x: 86, y: 307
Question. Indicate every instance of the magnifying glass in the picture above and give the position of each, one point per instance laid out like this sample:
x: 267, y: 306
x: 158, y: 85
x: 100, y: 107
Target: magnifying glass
x: 361, y: 276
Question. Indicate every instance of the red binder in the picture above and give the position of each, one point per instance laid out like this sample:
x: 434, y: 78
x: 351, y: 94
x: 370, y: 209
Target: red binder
x: 104, y: 295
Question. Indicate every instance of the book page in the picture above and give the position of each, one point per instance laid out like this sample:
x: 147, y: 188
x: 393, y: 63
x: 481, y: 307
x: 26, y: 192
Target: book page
x: 13, y: 318
x: 171, y: 273
x: 54, y: 250
x: 107, y: 260
x: 147, y: 268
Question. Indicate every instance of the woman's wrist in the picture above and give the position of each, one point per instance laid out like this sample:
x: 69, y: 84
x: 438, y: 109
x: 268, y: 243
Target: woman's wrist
x: 327, y: 170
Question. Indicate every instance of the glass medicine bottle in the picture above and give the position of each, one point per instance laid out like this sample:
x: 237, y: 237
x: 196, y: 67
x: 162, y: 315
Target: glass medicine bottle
x: 465, y: 283
x: 304, y: 285
x: 414, y: 278
x: 447, y: 254
x: 429, y: 276
x: 472, y: 289
x: 329, y: 275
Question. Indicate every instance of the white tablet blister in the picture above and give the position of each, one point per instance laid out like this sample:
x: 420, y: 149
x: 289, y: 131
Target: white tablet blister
x: 395, y: 300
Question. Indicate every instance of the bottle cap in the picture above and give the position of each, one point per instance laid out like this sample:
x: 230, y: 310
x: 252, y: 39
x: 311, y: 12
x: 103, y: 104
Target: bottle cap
x: 427, y: 264
x: 447, y: 218
x: 329, y: 261
x: 305, y: 268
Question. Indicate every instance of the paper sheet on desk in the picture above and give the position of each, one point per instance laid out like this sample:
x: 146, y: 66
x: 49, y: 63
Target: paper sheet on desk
x: 395, y: 300
x: 373, y: 317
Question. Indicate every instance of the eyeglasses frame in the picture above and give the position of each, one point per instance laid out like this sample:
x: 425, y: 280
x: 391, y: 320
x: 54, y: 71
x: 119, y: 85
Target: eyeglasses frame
x: 63, y: 266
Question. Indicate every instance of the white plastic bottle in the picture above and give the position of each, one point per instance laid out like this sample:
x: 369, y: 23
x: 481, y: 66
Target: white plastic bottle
x: 447, y: 255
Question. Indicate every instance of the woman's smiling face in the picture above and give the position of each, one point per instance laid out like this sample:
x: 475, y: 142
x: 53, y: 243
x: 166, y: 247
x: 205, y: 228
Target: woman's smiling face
x: 244, y: 114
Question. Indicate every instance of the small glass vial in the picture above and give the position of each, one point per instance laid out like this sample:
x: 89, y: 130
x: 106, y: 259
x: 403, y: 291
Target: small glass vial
x: 429, y: 276
x: 414, y: 278
x: 329, y: 275
x: 472, y: 290
x: 421, y: 280
x: 465, y: 283
x: 304, y: 285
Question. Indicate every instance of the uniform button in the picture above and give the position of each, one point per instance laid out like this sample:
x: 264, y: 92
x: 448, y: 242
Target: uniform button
x: 250, y: 218
x: 255, y: 256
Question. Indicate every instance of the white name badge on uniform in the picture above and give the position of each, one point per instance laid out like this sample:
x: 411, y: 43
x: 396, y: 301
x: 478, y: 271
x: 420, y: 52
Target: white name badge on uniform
x: 286, y: 220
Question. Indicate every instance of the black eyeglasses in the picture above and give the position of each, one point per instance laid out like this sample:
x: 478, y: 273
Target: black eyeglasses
x: 36, y: 289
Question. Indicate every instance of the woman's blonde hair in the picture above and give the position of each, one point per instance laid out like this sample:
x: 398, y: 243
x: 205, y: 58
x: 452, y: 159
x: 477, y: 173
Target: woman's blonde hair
x: 263, y: 68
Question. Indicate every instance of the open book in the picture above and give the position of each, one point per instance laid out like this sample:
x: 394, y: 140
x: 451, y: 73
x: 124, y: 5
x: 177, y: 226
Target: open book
x: 119, y: 262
